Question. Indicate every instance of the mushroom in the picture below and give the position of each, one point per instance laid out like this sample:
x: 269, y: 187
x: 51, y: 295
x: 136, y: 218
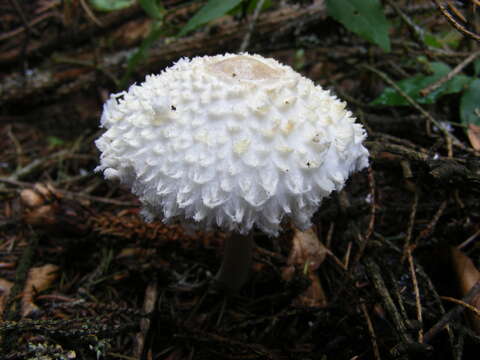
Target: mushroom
x: 235, y: 142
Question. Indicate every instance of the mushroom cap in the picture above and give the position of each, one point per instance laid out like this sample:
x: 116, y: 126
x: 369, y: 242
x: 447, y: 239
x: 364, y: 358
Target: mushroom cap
x: 233, y: 141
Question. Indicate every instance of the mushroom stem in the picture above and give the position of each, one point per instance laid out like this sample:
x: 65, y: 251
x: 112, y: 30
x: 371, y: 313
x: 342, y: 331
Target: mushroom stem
x: 237, y: 258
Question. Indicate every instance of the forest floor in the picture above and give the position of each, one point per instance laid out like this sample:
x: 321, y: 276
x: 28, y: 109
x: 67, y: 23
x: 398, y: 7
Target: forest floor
x: 388, y: 271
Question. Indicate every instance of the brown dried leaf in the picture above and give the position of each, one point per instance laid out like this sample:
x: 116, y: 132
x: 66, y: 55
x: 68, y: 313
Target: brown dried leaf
x: 31, y: 198
x: 39, y: 279
x: 307, y: 249
x: 5, y: 287
x: 473, y: 133
x: 467, y: 276
x: 307, y: 253
x: 43, y: 215
x: 314, y: 295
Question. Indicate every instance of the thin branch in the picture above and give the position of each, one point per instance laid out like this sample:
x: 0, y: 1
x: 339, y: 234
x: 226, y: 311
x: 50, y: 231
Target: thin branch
x: 371, y: 330
x: 450, y: 75
x: 418, y: 303
x: 90, y: 13
x: 411, y: 223
x: 19, y: 30
x: 417, y: 30
x: 455, y: 23
x: 462, y: 303
x: 72, y: 195
x: 22, y: 16
x: 415, y: 104
x: 452, y: 314
x: 251, y: 27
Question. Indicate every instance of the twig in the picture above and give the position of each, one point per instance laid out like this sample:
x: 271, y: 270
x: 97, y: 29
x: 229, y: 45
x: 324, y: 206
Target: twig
x: 328, y: 241
x: 408, y: 254
x: 457, y: 12
x: 373, y: 337
x: 429, y: 229
x: 417, y: 30
x: 21, y: 274
x: 72, y: 195
x: 19, y: 30
x: 437, y: 299
x: 397, y: 292
x: 151, y: 296
x: 346, y: 258
x: 19, y: 10
x: 452, y: 314
x: 374, y: 273
x: 454, y: 22
x: 462, y: 303
x: 412, y: 102
x: 450, y: 75
x: 411, y: 223
x: 90, y: 13
x: 47, y: 83
x: 102, y: 69
x: 35, y: 164
x: 76, y: 196
x: 18, y: 146
x: 251, y: 27
x: 121, y: 356
x: 418, y: 303
x: 363, y: 239
x: 469, y: 240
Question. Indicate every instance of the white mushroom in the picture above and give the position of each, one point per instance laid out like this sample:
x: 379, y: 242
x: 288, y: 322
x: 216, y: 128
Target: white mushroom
x: 230, y: 141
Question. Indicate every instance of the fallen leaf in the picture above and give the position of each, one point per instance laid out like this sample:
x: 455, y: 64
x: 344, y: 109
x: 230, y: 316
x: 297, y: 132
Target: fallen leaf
x: 5, y: 287
x: 31, y: 198
x: 473, y: 133
x: 46, y: 208
x: 467, y: 276
x: 307, y: 253
x: 307, y: 249
x: 39, y: 279
x: 314, y: 295
x: 43, y: 215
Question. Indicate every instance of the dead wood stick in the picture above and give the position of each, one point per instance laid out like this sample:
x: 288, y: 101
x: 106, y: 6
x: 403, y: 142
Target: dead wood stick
x: 452, y: 314
x: 83, y: 32
x: 57, y: 81
x: 72, y: 195
x: 461, y: 28
x: 374, y: 273
x: 251, y: 27
x: 151, y: 296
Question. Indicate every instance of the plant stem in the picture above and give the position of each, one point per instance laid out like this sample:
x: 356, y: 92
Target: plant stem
x: 237, y: 259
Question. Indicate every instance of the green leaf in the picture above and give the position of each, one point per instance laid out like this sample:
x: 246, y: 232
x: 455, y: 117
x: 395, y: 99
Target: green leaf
x: 450, y: 38
x: 476, y: 67
x: 54, y: 141
x: 110, y: 5
x: 363, y: 17
x: 152, y: 8
x: 432, y: 41
x: 413, y: 85
x: 470, y: 104
x: 252, y: 5
x: 212, y: 10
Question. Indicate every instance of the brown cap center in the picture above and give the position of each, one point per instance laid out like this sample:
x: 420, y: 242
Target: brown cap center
x: 245, y: 68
